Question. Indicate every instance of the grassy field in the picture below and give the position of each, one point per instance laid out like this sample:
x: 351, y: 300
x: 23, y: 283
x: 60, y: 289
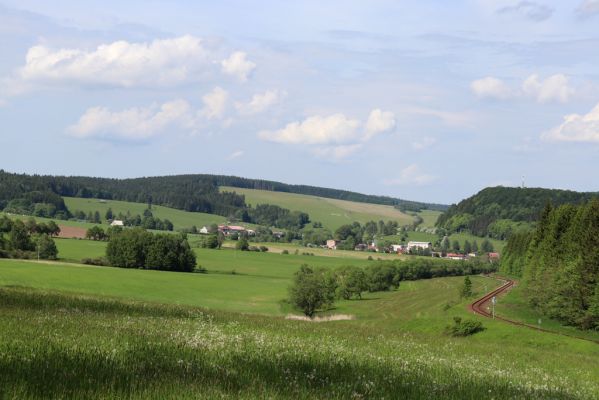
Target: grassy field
x: 55, y: 345
x: 179, y: 218
x: 429, y: 217
x: 331, y: 213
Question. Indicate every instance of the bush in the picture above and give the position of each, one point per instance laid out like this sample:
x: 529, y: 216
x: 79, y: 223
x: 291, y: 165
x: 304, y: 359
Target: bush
x: 285, y: 252
x: 465, y: 327
x: 100, y: 261
x: 263, y: 249
x: 242, y: 244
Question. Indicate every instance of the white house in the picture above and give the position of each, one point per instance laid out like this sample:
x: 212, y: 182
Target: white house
x: 398, y: 248
x: 117, y: 222
x: 332, y: 244
x: 204, y: 230
x: 419, y: 245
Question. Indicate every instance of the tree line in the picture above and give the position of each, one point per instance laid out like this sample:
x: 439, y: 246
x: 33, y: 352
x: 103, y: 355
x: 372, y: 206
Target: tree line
x: 559, y: 264
x: 316, y: 289
x: 27, y: 239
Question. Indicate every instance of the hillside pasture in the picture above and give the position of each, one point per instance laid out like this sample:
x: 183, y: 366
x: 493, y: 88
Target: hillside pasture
x: 331, y: 213
x: 179, y: 218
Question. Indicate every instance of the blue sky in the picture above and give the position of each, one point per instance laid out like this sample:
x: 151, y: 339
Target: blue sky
x: 426, y: 100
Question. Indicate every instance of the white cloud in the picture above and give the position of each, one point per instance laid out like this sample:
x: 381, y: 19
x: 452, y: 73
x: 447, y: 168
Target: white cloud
x: 553, y: 88
x: 378, y: 122
x: 215, y: 103
x: 238, y: 66
x: 133, y: 123
x: 424, y: 143
x: 336, y: 152
x: 411, y: 175
x: 162, y: 62
x: 336, y: 128
x: 529, y: 9
x: 490, y: 87
x: 260, y: 102
x: 576, y: 128
x: 235, y: 154
x: 588, y: 8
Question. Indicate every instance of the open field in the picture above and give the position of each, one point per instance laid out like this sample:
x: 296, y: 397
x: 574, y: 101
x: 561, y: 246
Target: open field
x: 179, y: 218
x: 55, y: 345
x: 331, y: 213
x: 429, y: 217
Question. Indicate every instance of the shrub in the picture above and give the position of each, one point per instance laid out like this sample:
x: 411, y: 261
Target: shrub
x: 285, y: 252
x: 263, y: 248
x: 100, y: 261
x: 465, y: 327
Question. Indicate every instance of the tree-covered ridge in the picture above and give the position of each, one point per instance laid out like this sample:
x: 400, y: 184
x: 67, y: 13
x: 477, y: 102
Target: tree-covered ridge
x: 559, y: 264
x: 501, y: 211
x: 198, y: 193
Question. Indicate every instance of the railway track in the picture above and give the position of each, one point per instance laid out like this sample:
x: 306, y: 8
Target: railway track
x: 480, y: 307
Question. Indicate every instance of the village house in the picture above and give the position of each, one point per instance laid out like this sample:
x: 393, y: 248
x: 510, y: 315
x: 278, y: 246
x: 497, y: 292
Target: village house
x: 230, y: 229
x: 455, y: 256
x: 332, y: 244
x: 419, y: 245
x: 399, y: 248
x: 117, y: 222
x: 361, y: 247
x: 204, y: 230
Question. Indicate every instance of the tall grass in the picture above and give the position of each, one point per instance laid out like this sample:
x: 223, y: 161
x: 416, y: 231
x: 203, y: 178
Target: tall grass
x: 62, y: 346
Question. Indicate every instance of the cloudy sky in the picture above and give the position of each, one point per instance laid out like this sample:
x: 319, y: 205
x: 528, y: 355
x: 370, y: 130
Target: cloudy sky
x: 424, y: 100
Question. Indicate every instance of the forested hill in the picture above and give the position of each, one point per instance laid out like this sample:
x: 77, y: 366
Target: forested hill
x: 246, y: 183
x: 198, y: 192
x: 185, y: 192
x: 497, y: 211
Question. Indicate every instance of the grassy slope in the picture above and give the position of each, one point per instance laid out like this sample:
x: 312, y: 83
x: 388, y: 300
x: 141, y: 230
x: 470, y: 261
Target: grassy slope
x: 179, y: 218
x: 53, y: 346
x: 332, y: 213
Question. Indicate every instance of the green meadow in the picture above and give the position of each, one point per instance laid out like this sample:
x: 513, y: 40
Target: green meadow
x: 331, y: 213
x: 114, y: 340
x: 179, y: 218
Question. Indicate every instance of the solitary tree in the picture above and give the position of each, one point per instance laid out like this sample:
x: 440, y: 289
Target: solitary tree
x: 456, y: 246
x: 108, y: 214
x: 466, y: 289
x: 311, y: 290
x: 486, y: 246
x: 467, y: 247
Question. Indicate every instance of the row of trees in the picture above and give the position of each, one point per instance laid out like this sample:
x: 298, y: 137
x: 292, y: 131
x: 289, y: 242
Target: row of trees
x: 20, y: 239
x: 137, y: 248
x: 146, y: 221
x: 467, y: 248
x: 559, y: 263
x: 315, y: 289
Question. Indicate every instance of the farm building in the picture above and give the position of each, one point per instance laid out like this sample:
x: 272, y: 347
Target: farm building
x: 204, y: 230
x: 419, y: 245
x: 117, y: 222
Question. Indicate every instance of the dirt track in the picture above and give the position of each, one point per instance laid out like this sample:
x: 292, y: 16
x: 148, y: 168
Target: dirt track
x: 481, y: 307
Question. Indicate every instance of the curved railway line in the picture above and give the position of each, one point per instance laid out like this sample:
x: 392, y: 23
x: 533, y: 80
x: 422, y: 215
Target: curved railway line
x: 480, y: 307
